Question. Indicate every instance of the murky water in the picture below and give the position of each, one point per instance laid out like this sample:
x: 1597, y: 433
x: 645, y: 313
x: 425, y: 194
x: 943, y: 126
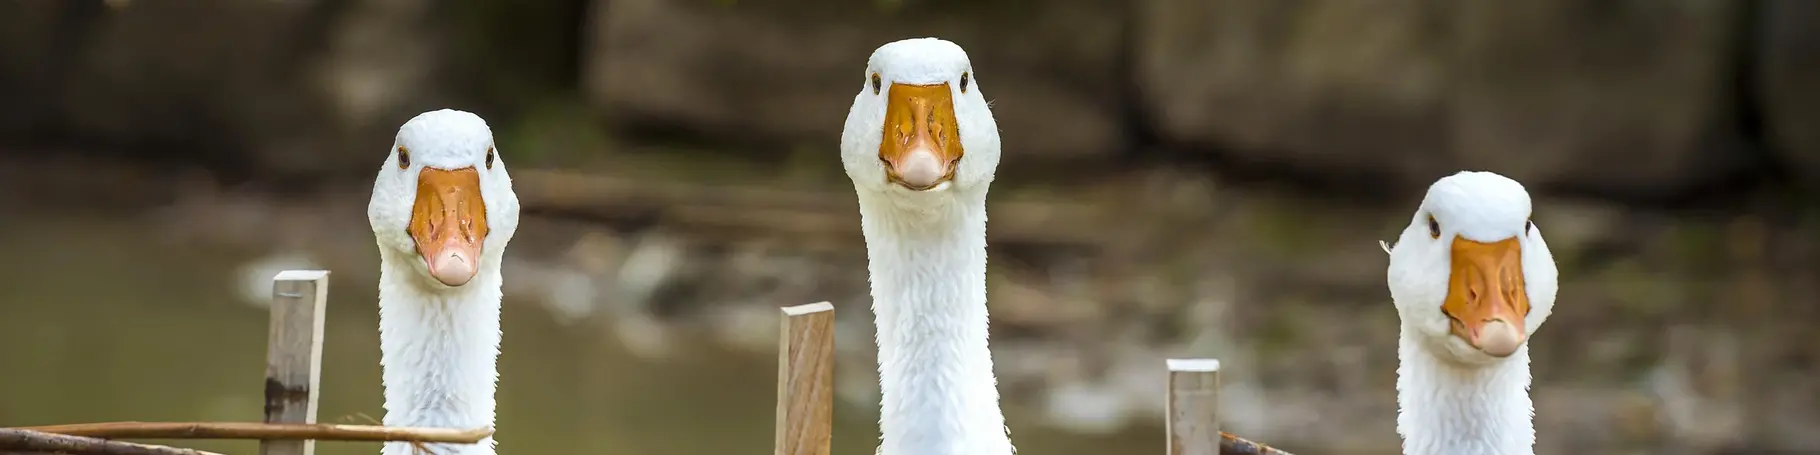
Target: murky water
x: 98, y: 322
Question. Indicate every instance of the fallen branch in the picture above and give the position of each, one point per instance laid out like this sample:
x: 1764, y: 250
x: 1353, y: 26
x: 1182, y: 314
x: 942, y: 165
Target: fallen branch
x: 14, y: 440
x: 1234, y: 445
x: 749, y: 208
x: 248, y: 430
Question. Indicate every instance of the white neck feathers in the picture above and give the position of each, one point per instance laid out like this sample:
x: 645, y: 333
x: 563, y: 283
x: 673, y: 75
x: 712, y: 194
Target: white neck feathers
x: 928, y: 269
x: 439, y: 350
x: 1452, y: 409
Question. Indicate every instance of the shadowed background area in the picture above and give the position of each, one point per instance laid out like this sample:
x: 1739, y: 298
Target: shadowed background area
x: 1181, y: 178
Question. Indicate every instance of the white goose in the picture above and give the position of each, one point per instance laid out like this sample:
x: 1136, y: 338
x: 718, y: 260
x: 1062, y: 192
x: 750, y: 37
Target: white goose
x: 1472, y: 280
x: 920, y: 145
x: 442, y: 212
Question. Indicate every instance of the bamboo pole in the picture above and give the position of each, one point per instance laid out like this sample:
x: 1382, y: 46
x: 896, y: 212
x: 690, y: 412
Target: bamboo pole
x: 252, y: 430
x: 805, y: 381
x: 293, y: 367
x: 17, y: 440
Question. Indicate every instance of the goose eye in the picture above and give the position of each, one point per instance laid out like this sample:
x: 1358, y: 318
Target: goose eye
x: 1527, y: 225
x: 878, y: 84
x: 404, y: 157
x: 489, y: 157
x: 1434, y: 227
x: 964, y: 82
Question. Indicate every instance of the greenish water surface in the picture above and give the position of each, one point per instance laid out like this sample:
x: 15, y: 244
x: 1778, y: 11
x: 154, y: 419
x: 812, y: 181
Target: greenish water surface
x: 100, y: 321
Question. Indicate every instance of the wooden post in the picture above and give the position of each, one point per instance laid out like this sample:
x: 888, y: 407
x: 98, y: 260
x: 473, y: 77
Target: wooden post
x: 293, y: 355
x: 1194, y: 401
x: 805, y: 381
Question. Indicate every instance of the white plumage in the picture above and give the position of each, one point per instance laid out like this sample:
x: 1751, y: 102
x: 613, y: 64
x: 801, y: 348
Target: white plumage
x: 926, y: 249
x: 439, y: 344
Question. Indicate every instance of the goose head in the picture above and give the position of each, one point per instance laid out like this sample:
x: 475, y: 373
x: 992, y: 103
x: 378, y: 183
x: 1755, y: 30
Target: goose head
x: 443, y: 202
x: 920, y: 128
x: 1471, y: 276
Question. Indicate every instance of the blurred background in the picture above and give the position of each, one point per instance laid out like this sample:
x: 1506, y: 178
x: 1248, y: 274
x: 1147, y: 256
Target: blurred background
x: 1181, y: 178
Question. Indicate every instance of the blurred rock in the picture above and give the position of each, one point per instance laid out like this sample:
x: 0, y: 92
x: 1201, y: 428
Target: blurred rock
x: 182, y: 73
x: 1634, y: 97
x: 1786, y: 74
x: 376, y: 60
x: 789, y: 71
x: 269, y: 85
x: 1618, y: 97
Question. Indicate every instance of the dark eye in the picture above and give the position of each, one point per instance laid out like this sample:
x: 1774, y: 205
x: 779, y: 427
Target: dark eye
x: 963, y: 82
x: 1434, y: 227
x: 878, y: 84
x: 404, y: 157
x: 489, y: 157
x: 1527, y: 225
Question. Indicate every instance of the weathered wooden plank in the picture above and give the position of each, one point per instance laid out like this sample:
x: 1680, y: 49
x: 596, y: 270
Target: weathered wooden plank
x: 293, y: 366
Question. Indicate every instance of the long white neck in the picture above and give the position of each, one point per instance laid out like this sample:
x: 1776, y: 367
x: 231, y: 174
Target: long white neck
x: 928, y: 267
x: 1454, y: 409
x: 439, y: 349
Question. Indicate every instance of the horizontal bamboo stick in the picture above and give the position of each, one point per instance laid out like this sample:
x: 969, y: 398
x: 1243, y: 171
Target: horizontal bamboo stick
x: 1234, y: 445
x: 14, y: 440
x: 250, y: 430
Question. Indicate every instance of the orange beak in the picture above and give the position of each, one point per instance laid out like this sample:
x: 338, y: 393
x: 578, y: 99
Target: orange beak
x: 922, y: 141
x: 449, y: 223
x: 1485, y: 295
